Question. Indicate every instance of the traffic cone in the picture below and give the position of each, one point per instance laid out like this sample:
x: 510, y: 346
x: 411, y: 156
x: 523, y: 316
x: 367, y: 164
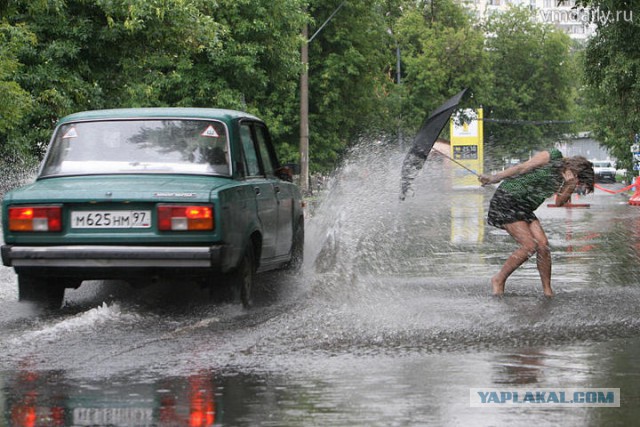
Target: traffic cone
x: 635, y: 198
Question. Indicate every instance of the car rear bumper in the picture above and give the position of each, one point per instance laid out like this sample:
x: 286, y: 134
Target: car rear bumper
x: 113, y: 256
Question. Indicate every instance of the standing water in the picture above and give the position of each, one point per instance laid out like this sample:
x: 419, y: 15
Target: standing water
x: 391, y: 322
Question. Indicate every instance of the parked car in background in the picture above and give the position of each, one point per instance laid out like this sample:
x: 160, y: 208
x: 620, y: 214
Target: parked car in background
x: 604, y: 170
x: 138, y: 194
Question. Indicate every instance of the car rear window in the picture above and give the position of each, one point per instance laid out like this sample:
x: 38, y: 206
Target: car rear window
x: 139, y: 146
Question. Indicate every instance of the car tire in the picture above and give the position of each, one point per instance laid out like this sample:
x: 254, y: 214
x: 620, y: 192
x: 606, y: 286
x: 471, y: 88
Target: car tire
x: 46, y: 292
x: 297, y: 249
x: 242, y: 278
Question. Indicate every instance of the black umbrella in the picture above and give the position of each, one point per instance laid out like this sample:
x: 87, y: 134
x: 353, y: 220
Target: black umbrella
x: 424, y: 140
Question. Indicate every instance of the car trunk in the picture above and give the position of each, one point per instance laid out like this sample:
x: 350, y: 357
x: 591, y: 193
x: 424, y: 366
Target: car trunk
x: 119, y: 209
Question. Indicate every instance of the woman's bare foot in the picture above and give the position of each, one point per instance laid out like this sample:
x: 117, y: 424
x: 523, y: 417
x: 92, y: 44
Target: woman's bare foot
x: 548, y: 292
x: 497, y: 286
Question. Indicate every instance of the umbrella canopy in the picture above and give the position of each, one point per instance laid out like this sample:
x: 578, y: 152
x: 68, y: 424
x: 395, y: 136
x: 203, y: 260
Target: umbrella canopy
x: 424, y: 140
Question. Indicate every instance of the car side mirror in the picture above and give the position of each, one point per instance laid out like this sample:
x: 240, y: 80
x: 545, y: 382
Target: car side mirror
x: 284, y: 173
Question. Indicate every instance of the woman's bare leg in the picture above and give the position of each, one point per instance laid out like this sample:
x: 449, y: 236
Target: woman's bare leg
x: 543, y: 256
x: 522, y: 234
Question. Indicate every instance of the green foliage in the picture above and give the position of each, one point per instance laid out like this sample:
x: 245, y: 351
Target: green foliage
x: 533, y: 82
x: 62, y: 56
x: 16, y: 102
x: 442, y: 53
x: 347, y: 81
x: 122, y: 53
x: 612, y: 73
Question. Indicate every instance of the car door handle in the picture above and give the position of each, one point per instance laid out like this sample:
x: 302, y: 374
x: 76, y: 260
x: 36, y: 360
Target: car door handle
x: 257, y: 190
x: 277, y: 189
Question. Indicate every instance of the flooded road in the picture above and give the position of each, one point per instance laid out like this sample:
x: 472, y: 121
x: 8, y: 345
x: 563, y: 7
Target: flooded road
x: 391, y: 323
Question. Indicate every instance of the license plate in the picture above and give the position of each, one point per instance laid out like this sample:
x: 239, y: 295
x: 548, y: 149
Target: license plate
x: 111, y: 219
x: 113, y: 416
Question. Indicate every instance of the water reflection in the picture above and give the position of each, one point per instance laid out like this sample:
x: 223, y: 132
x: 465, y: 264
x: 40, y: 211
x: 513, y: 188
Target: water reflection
x: 26, y: 409
x: 522, y: 368
x: 467, y: 217
x: 429, y: 389
x: 49, y: 399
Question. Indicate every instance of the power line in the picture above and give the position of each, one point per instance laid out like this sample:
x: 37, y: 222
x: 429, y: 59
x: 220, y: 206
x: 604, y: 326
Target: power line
x: 326, y: 22
x: 529, y: 122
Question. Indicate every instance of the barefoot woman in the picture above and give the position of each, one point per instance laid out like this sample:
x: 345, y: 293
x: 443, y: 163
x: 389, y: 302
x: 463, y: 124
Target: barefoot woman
x: 523, y: 189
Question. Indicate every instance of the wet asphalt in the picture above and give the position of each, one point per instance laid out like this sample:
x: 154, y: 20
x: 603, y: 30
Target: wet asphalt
x: 391, y: 322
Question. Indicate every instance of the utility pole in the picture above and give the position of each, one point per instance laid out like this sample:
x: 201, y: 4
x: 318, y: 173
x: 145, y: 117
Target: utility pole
x: 304, y: 101
x: 398, y: 82
x: 304, y: 112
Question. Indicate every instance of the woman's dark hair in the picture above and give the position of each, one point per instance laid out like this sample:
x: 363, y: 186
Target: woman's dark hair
x: 583, y: 169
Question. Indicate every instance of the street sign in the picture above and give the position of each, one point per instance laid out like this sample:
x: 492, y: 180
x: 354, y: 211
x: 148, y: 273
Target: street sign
x: 467, y: 147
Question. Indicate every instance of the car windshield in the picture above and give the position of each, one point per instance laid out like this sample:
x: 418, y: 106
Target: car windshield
x: 602, y: 164
x: 139, y: 146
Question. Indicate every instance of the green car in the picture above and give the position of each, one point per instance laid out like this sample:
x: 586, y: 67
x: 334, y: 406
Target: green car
x: 138, y: 194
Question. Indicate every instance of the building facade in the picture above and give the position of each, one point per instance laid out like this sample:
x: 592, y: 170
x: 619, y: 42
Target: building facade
x: 577, y: 22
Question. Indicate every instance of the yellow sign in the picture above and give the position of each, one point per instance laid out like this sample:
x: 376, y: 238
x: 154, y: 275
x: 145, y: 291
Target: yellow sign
x: 467, y: 210
x: 467, y: 147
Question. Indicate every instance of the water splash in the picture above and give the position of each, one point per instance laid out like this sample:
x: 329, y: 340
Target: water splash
x: 361, y: 229
x: 15, y: 175
x: 85, y: 321
x: 357, y: 209
x: 389, y: 275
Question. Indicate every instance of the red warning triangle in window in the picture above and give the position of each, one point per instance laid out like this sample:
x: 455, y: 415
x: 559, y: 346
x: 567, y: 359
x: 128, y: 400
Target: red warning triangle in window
x: 210, y: 132
x: 71, y: 133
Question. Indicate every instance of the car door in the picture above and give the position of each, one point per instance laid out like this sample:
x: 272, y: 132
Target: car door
x: 264, y: 192
x: 283, y: 192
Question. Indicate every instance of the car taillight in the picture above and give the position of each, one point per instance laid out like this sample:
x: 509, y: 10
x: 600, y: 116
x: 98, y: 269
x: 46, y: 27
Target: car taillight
x: 35, y: 218
x: 185, y: 218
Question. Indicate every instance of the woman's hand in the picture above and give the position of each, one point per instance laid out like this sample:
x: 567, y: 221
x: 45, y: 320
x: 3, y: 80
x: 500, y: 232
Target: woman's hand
x: 570, y: 178
x: 567, y: 188
x: 487, y: 179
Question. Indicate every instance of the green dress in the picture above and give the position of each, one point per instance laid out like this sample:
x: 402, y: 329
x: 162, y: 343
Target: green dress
x: 517, y: 197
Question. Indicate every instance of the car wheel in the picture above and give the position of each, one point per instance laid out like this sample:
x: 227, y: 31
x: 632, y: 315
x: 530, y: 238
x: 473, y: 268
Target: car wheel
x: 297, y: 249
x: 242, y: 278
x: 47, y: 292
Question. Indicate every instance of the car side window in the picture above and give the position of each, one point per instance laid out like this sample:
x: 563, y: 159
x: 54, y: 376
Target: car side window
x: 265, y: 154
x: 249, y: 149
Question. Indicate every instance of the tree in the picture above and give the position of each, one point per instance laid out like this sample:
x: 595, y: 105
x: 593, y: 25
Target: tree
x: 61, y: 56
x: 347, y: 81
x: 129, y: 53
x: 532, y: 87
x: 442, y: 52
x: 16, y: 102
x: 612, y: 74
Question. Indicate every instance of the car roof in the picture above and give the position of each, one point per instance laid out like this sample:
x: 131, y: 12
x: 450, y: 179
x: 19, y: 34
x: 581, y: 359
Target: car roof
x: 160, y: 112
